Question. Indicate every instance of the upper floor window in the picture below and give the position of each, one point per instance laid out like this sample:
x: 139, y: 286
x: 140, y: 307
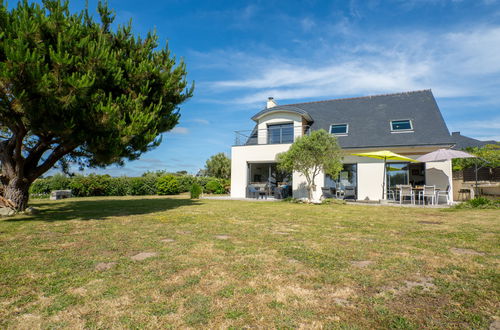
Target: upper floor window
x: 339, y: 129
x: 401, y: 125
x: 280, y: 133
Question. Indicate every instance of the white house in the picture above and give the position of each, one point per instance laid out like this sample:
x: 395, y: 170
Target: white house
x: 407, y: 123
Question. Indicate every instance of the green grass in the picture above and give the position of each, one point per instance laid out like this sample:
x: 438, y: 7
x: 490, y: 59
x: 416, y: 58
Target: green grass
x: 235, y: 264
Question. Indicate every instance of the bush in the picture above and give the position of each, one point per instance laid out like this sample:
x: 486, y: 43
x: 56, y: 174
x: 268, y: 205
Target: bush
x: 479, y: 203
x: 186, y: 182
x: 215, y: 187
x: 105, y: 185
x: 92, y: 185
x: 196, y: 191
x: 167, y: 185
x: 40, y: 187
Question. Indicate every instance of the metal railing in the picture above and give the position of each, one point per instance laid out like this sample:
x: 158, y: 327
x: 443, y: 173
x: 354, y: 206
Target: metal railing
x: 270, y: 135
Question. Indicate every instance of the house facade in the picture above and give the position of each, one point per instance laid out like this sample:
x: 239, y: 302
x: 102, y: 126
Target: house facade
x: 407, y: 123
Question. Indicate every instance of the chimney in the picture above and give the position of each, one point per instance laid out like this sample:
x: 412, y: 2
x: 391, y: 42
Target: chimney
x: 271, y: 102
x: 455, y: 133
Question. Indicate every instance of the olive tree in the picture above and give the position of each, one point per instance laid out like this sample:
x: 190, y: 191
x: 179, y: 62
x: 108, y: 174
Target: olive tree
x: 311, y: 155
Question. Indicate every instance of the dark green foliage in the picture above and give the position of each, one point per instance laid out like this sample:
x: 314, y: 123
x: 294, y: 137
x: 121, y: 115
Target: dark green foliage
x: 196, y: 191
x: 73, y: 89
x: 92, y: 185
x: 204, y: 180
x: 167, y: 185
x: 185, y: 182
x: 218, y: 166
x: 310, y: 155
x: 479, y: 203
x: 105, y: 185
x: 215, y: 187
x: 488, y: 155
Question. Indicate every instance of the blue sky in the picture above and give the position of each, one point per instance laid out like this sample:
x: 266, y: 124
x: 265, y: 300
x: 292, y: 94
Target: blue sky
x: 239, y: 53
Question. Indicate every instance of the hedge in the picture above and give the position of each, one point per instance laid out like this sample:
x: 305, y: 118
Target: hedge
x: 105, y: 185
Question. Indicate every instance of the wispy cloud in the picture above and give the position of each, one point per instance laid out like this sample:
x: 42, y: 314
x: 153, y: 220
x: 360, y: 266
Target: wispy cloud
x: 200, y: 121
x: 452, y: 64
x: 179, y: 130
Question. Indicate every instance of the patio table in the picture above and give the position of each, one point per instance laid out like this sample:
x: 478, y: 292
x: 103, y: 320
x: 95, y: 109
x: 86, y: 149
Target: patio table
x: 418, y: 189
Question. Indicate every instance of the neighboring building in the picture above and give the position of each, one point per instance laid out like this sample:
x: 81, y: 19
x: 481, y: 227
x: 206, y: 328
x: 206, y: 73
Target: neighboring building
x: 408, y: 123
x: 461, y: 142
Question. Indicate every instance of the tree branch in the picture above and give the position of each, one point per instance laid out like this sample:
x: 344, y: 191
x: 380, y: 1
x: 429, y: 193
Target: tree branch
x: 37, y: 151
x: 56, y: 155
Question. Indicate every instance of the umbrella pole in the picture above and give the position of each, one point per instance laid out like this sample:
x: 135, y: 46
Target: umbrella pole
x: 383, y: 184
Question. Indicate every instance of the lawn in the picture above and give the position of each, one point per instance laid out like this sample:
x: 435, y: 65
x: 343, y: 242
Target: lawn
x: 153, y: 262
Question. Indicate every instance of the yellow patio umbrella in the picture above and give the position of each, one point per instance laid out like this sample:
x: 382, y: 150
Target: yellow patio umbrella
x: 385, y: 155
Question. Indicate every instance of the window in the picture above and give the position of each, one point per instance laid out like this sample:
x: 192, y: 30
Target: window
x: 339, y: 129
x: 280, y: 133
x: 401, y: 125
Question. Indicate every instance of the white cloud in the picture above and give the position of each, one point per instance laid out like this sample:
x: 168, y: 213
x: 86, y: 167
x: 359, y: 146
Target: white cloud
x: 179, y: 130
x: 453, y: 64
x: 200, y: 121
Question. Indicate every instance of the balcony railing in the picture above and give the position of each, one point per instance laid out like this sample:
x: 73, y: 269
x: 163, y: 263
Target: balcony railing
x: 270, y: 135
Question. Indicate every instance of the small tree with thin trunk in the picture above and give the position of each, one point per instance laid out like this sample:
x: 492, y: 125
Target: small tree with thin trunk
x: 310, y: 155
x: 74, y: 90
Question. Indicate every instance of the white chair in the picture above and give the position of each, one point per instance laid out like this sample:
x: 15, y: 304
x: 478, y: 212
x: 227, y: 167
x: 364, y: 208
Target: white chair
x: 444, y: 193
x: 406, y: 191
x: 428, y: 192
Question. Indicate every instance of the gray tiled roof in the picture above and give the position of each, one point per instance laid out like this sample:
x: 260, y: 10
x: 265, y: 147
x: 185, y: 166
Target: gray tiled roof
x: 462, y: 142
x: 369, y: 119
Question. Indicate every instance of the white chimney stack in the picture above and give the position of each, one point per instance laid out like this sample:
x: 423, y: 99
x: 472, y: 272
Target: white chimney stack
x: 271, y: 102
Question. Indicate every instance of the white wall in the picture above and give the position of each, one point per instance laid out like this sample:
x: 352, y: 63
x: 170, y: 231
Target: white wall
x: 279, y: 118
x: 241, y: 155
x: 370, y: 179
x: 439, y: 174
x: 300, y: 186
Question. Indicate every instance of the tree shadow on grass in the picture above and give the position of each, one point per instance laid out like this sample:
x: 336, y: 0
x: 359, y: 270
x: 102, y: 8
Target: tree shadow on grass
x: 100, y: 209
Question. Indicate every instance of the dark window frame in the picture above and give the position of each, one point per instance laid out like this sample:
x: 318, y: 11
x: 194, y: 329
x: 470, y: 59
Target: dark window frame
x: 280, y: 126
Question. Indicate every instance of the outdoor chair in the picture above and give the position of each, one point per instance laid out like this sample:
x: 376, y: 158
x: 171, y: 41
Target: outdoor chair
x: 340, y: 191
x: 391, y: 194
x: 327, y: 192
x: 429, y: 192
x: 253, y: 192
x: 263, y: 192
x: 349, y: 192
x: 406, y: 191
x: 444, y: 193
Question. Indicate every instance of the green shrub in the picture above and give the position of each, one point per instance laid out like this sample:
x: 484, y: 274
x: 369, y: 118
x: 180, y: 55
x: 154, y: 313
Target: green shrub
x: 118, y: 186
x: 40, y: 187
x: 196, y: 191
x: 92, y: 185
x: 186, y: 182
x: 479, y: 203
x: 59, y: 182
x: 215, y: 187
x: 167, y: 185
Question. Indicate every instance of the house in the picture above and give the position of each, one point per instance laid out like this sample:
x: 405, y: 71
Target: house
x: 461, y: 141
x: 407, y: 123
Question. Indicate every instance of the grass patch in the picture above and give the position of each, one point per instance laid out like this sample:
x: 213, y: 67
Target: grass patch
x: 281, y: 265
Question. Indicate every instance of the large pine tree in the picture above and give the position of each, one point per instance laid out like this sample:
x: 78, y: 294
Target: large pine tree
x: 74, y: 90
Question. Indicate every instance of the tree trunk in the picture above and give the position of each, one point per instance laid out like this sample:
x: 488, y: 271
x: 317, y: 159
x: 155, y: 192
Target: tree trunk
x: 17, y: 191
x: 312, y: 188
